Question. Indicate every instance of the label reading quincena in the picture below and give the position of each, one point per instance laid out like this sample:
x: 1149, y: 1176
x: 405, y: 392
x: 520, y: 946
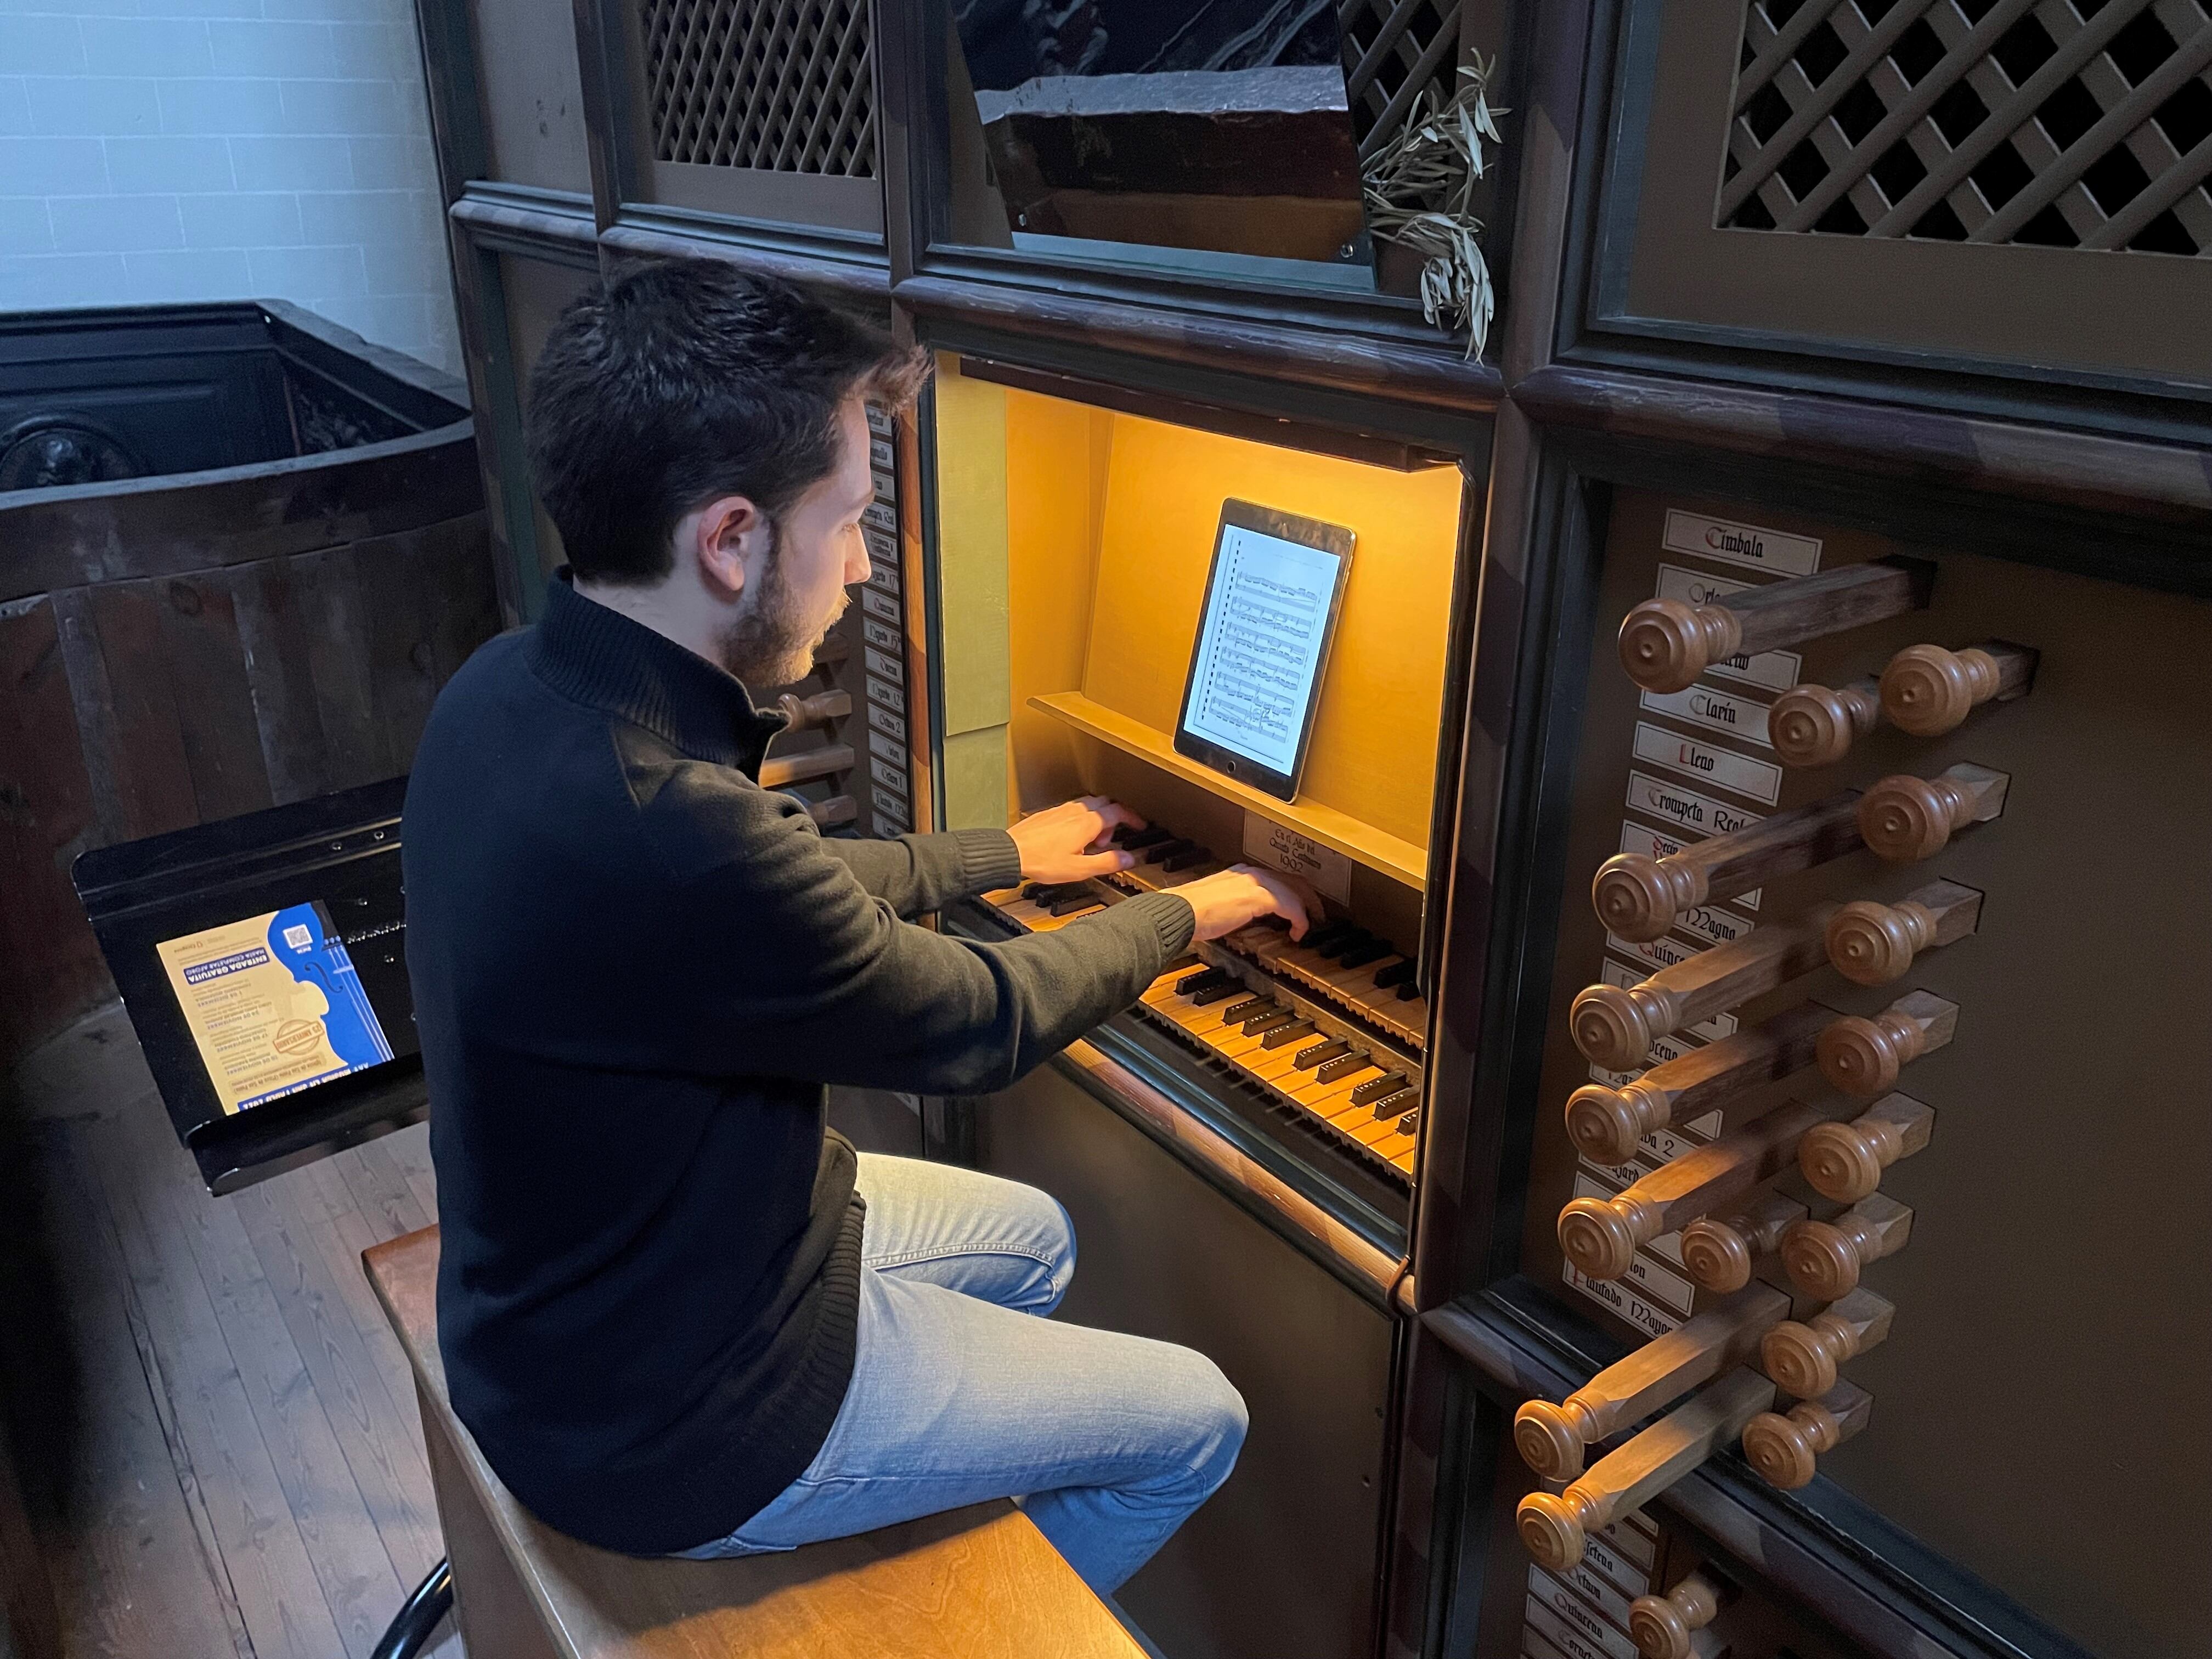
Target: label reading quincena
x: 1741, y: 544
x: 1746, y: 775
x: 1722, y: 711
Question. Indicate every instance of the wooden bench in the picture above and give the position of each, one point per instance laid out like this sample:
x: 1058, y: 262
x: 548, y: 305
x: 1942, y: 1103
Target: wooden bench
x: 971, y: 1584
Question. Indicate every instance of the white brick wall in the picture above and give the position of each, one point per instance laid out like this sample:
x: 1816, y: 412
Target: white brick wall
x: 155, y: 150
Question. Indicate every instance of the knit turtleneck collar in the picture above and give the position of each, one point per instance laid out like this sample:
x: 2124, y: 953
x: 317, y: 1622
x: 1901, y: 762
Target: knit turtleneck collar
x: 602, y: 658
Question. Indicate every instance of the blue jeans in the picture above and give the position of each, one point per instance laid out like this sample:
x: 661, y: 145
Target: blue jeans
x: 962, y: 1391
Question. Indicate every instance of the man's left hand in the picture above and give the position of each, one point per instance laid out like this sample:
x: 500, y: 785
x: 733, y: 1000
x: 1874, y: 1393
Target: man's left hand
x: 1062, y: 842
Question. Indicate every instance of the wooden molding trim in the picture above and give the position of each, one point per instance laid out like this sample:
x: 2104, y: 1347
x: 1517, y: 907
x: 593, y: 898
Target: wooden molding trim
x: 1279, y: 350
x: 1297, y: 1214
x: 2081, y: 469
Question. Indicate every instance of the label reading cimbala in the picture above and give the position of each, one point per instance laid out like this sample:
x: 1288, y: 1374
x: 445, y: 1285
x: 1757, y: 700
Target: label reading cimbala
x: 1656, y: 844
x: 1699, y: 814
x: 1717, y: 710
x: 1750, y: 544
x: 1776, y: 671
x: 1693, y: 757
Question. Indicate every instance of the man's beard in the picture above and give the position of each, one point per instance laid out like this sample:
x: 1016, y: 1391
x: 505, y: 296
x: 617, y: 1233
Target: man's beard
x: 772, y: 641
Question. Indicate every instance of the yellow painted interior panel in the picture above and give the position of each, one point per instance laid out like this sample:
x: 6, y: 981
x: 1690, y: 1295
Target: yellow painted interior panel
x: 1073, y: 544
x: 971, y: 578
x: 1375, y: 740
x: 1057, y: 455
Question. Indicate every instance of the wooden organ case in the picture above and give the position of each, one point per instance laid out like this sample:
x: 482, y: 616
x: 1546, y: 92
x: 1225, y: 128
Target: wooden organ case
x: 1238, y: 1150
x: 1822, y: 1180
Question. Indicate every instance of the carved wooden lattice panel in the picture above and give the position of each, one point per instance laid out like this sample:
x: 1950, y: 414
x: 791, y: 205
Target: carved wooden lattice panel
x: 1392, y: 50
x: 780, y: 85
x: 2061, y: 123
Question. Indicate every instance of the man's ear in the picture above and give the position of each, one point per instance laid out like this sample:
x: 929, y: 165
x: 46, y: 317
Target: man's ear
x: 725, y: 533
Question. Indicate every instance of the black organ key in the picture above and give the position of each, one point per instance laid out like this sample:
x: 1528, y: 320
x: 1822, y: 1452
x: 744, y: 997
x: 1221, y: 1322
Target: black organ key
x: 1394, y: 973
x: 1328, y: 936
x: 1183, y: 964
x: 1245, y: 1009
x: 1411, y: 1124
x: 1136, y: 840
x: 1188, y: 859
x: 1381, y: 1088
x: 1072, y: 902
x: 1399, y: 1104
x: 1321, y: 1053
x: 1408, y: 991
x: 1214, y: 993
x: 1164, y: 849
x: 1267, y: 1022
x: 1296, y: 1031
x: 1347, y: 1067
x: 1204, y: 980
x: 1374, y: 950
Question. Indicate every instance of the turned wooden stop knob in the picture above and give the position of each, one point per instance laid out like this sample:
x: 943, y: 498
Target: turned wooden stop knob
x: 1926, y: 690
x: 1802, y: 1357
x: 1823, y: 1258
x: 1555, y: 1527
x: 1615, y: 1025
x: 1597, y: 1237
x: 1550, y: 1438
x: 806, y: 713
x: 1905, y: 817
x: 1785, y: 1448
x: 1871, y: 943
x: 1816, y: 725
x: 1638, y: 897
x: 1661, y: 1627
x: 1844, y: 1161
x: 1720, y: 1252
x: 1666, y: 644
x: 1605, y: 1124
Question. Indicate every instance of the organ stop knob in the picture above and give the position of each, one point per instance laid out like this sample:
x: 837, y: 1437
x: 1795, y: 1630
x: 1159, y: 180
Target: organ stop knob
x: 1844, y: 1161
x: 1718, y: 1253
x: 1872, y: 943
x: 1802, y: 1357
x: 1666, y: 1626
x: 1605, y: 1123
x: 1665, y: 644
x: 1599, y: 1236
x: 1865, y: 1056
x: 1823, y: 1258
x: 1785, y: 1447
x: 1927, y: 690
x: 1905, y: 817
x: 1816, y: 726
x: 1550, y: 1438
x: 1640, y: 897
x: 1615, y: 1026
x: 1555, y: 1527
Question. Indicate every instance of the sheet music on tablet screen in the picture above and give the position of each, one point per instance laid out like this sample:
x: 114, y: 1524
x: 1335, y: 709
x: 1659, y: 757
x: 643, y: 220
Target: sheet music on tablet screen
x: 1259, y: 646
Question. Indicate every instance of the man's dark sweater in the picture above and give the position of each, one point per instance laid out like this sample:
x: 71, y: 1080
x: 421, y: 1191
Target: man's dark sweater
x: 634, y: 970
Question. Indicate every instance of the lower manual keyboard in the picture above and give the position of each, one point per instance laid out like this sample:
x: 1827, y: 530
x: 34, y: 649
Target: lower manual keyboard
x: 1362, y: 1091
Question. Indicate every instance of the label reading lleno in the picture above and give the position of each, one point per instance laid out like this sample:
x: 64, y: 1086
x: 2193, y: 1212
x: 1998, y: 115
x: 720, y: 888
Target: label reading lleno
x: 1696, y: 758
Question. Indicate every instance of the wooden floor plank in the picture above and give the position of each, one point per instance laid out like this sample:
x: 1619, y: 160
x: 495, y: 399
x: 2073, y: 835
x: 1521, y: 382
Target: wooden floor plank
x: 128, y: 1570
x: 350, y: 1564
x: 410, y: 1148
x: 264, y: 1556
x: 376, y: 1432
x: 380, y: 1191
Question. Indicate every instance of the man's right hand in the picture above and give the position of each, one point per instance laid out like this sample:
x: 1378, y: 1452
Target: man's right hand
x: 1231, y: 898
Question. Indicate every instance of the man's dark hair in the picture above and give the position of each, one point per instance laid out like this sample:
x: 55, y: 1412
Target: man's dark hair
x: 682, y: 382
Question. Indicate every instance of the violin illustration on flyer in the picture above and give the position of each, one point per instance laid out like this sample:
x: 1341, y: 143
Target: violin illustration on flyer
x: 274, y: 1005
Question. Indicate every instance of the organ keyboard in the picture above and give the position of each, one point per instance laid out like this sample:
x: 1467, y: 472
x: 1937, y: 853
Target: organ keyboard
x: 1331, y: 1027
